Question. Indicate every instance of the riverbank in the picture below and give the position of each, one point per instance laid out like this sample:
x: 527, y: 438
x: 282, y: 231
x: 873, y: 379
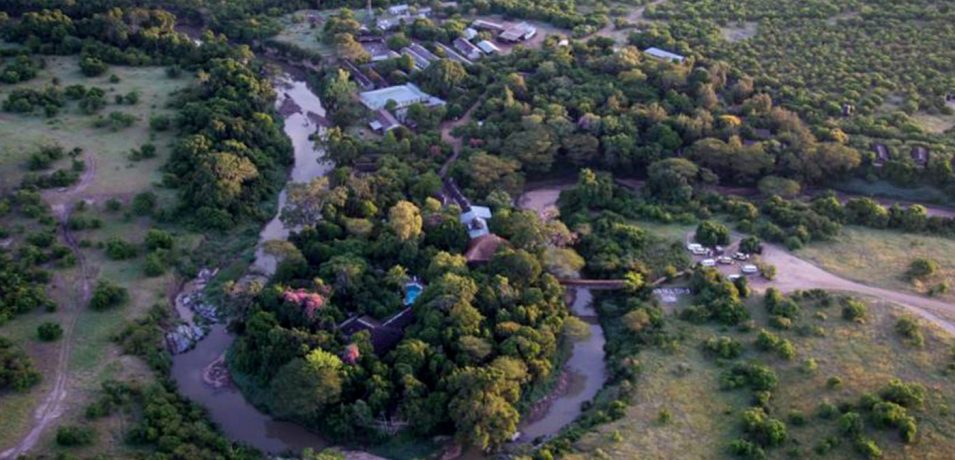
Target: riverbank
x: 227, y: 406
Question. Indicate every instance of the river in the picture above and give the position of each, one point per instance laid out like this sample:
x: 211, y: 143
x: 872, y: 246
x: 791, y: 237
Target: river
x: 586, y: 369
x: 586, y: 372
x: 227, y: 407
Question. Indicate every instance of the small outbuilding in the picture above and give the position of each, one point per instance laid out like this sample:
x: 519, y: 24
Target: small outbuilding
x: 664, y: 55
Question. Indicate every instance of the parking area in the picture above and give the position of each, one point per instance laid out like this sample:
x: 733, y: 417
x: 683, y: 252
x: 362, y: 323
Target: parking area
x: 727, y: 259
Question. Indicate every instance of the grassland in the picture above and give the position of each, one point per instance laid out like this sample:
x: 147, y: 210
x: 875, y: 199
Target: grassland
x: 881, y: 258
x: 110, y: 150
x: 297, y: 30
x: 93, y: 358
x: 683, y: 382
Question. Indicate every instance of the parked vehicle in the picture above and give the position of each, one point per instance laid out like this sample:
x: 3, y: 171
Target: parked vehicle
x: 725, y: 260
x: 734, y: 277
x: 749, y: 269
x: 708, y: 262
x: 741, y: 256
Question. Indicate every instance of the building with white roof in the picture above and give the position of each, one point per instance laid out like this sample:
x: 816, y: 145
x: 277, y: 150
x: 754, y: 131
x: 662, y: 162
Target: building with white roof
x: 488, y: 47
x: 664, y: 55
x: 403, y: 95
x: 519, y: 32
x: 475, y: 219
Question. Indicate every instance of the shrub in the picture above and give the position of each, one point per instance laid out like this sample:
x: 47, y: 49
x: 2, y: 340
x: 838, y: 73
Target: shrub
x: 49, y: 331
x: 753, y: 375
x: 764, y: 430
x: 723, y: 347
x: 73, y: 435
x: 904, y: 394
x: 108, y: 295
x: 117, y: 249
x: 909, y: 329
x: 854, y: 310
x: 851, y: 424
x: 868, y: 448
x: 16, y: 369
x: 154, y: 265
x: 922, y: 268
x: 144, y: 203
x: 158, y: 239
x: 92, y: 67
x: 159, y: 123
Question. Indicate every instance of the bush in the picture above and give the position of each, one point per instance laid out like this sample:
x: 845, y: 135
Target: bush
x: 723, y: 347
x: 158, y: 239
x: 16, y: 369
x: 909, y: 395
x: 921, y: 269
x: 154, y: 265
x: 909, y: 329
x: 108, y: 295
x: 144, y: 203
x: 159, y: 123
x: 854, y: 310
x: 117, y: 249
x: 49, y: 331
x: 751, y: 245
x: 92, y: 67
x: 73, y: 435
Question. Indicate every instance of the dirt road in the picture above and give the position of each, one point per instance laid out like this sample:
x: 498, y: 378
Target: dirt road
x: 53, y: 404
x: 794, y: 273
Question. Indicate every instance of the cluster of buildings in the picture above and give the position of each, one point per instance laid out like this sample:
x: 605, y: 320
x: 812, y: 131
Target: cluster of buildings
x: 401, y: 14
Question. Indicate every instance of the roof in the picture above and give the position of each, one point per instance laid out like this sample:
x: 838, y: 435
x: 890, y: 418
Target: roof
x: 482, y: 24
x: 483, y: 248
x: 482, y: 212
x: 517, y: 32
x: 468, y: 48
x: 470, y: 33
x: 475, y: 219
x: 421, y: 55
x: 358, y: 75
x: 488, y: 47
x: 384, y: 121
x: 384, y: 335
x: 664, y: 54
x: 403, y: 95
x: 454, y: 55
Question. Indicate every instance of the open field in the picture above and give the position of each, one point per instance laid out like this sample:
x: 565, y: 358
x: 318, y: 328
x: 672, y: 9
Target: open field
x: 93, y: 358
x: 297, y: 30
x: 108, y: 149
x: 881, y: 258
x: 704, y: 419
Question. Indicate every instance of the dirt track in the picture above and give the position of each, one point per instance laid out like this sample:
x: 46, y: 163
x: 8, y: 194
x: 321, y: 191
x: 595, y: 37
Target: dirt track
x: 52, y: 405
x: 794, y: 273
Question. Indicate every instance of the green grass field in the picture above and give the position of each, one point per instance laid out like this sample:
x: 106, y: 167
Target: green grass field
x: 704, y: 419
x: 881, y: 257
x: 22, y: 134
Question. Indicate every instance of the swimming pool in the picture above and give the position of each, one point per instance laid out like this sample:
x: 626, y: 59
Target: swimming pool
x: 412, y: 291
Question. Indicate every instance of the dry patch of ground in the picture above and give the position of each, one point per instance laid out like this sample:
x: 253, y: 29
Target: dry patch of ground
x: 881, y: 258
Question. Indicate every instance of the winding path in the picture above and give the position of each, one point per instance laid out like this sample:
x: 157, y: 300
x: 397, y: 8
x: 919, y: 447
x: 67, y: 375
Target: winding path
x: 52, y: 405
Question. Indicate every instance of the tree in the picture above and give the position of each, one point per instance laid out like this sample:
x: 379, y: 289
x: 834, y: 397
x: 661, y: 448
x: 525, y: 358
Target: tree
x: 306, y: 202
x: 302, y: 387
x: 751, y: 245
x: 348, y: 48
x: 711, y: 234
x: 562, y: 262
x: 405, y: 220
x: 672, y: 180
x: 778, y: 186
x: 107, y: 295
x: 49, y: 331
x: 444, y: 76
x: 481, y: 406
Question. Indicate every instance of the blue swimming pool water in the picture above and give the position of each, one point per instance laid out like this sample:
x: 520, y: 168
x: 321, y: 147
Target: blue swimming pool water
x: 412, y: 291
